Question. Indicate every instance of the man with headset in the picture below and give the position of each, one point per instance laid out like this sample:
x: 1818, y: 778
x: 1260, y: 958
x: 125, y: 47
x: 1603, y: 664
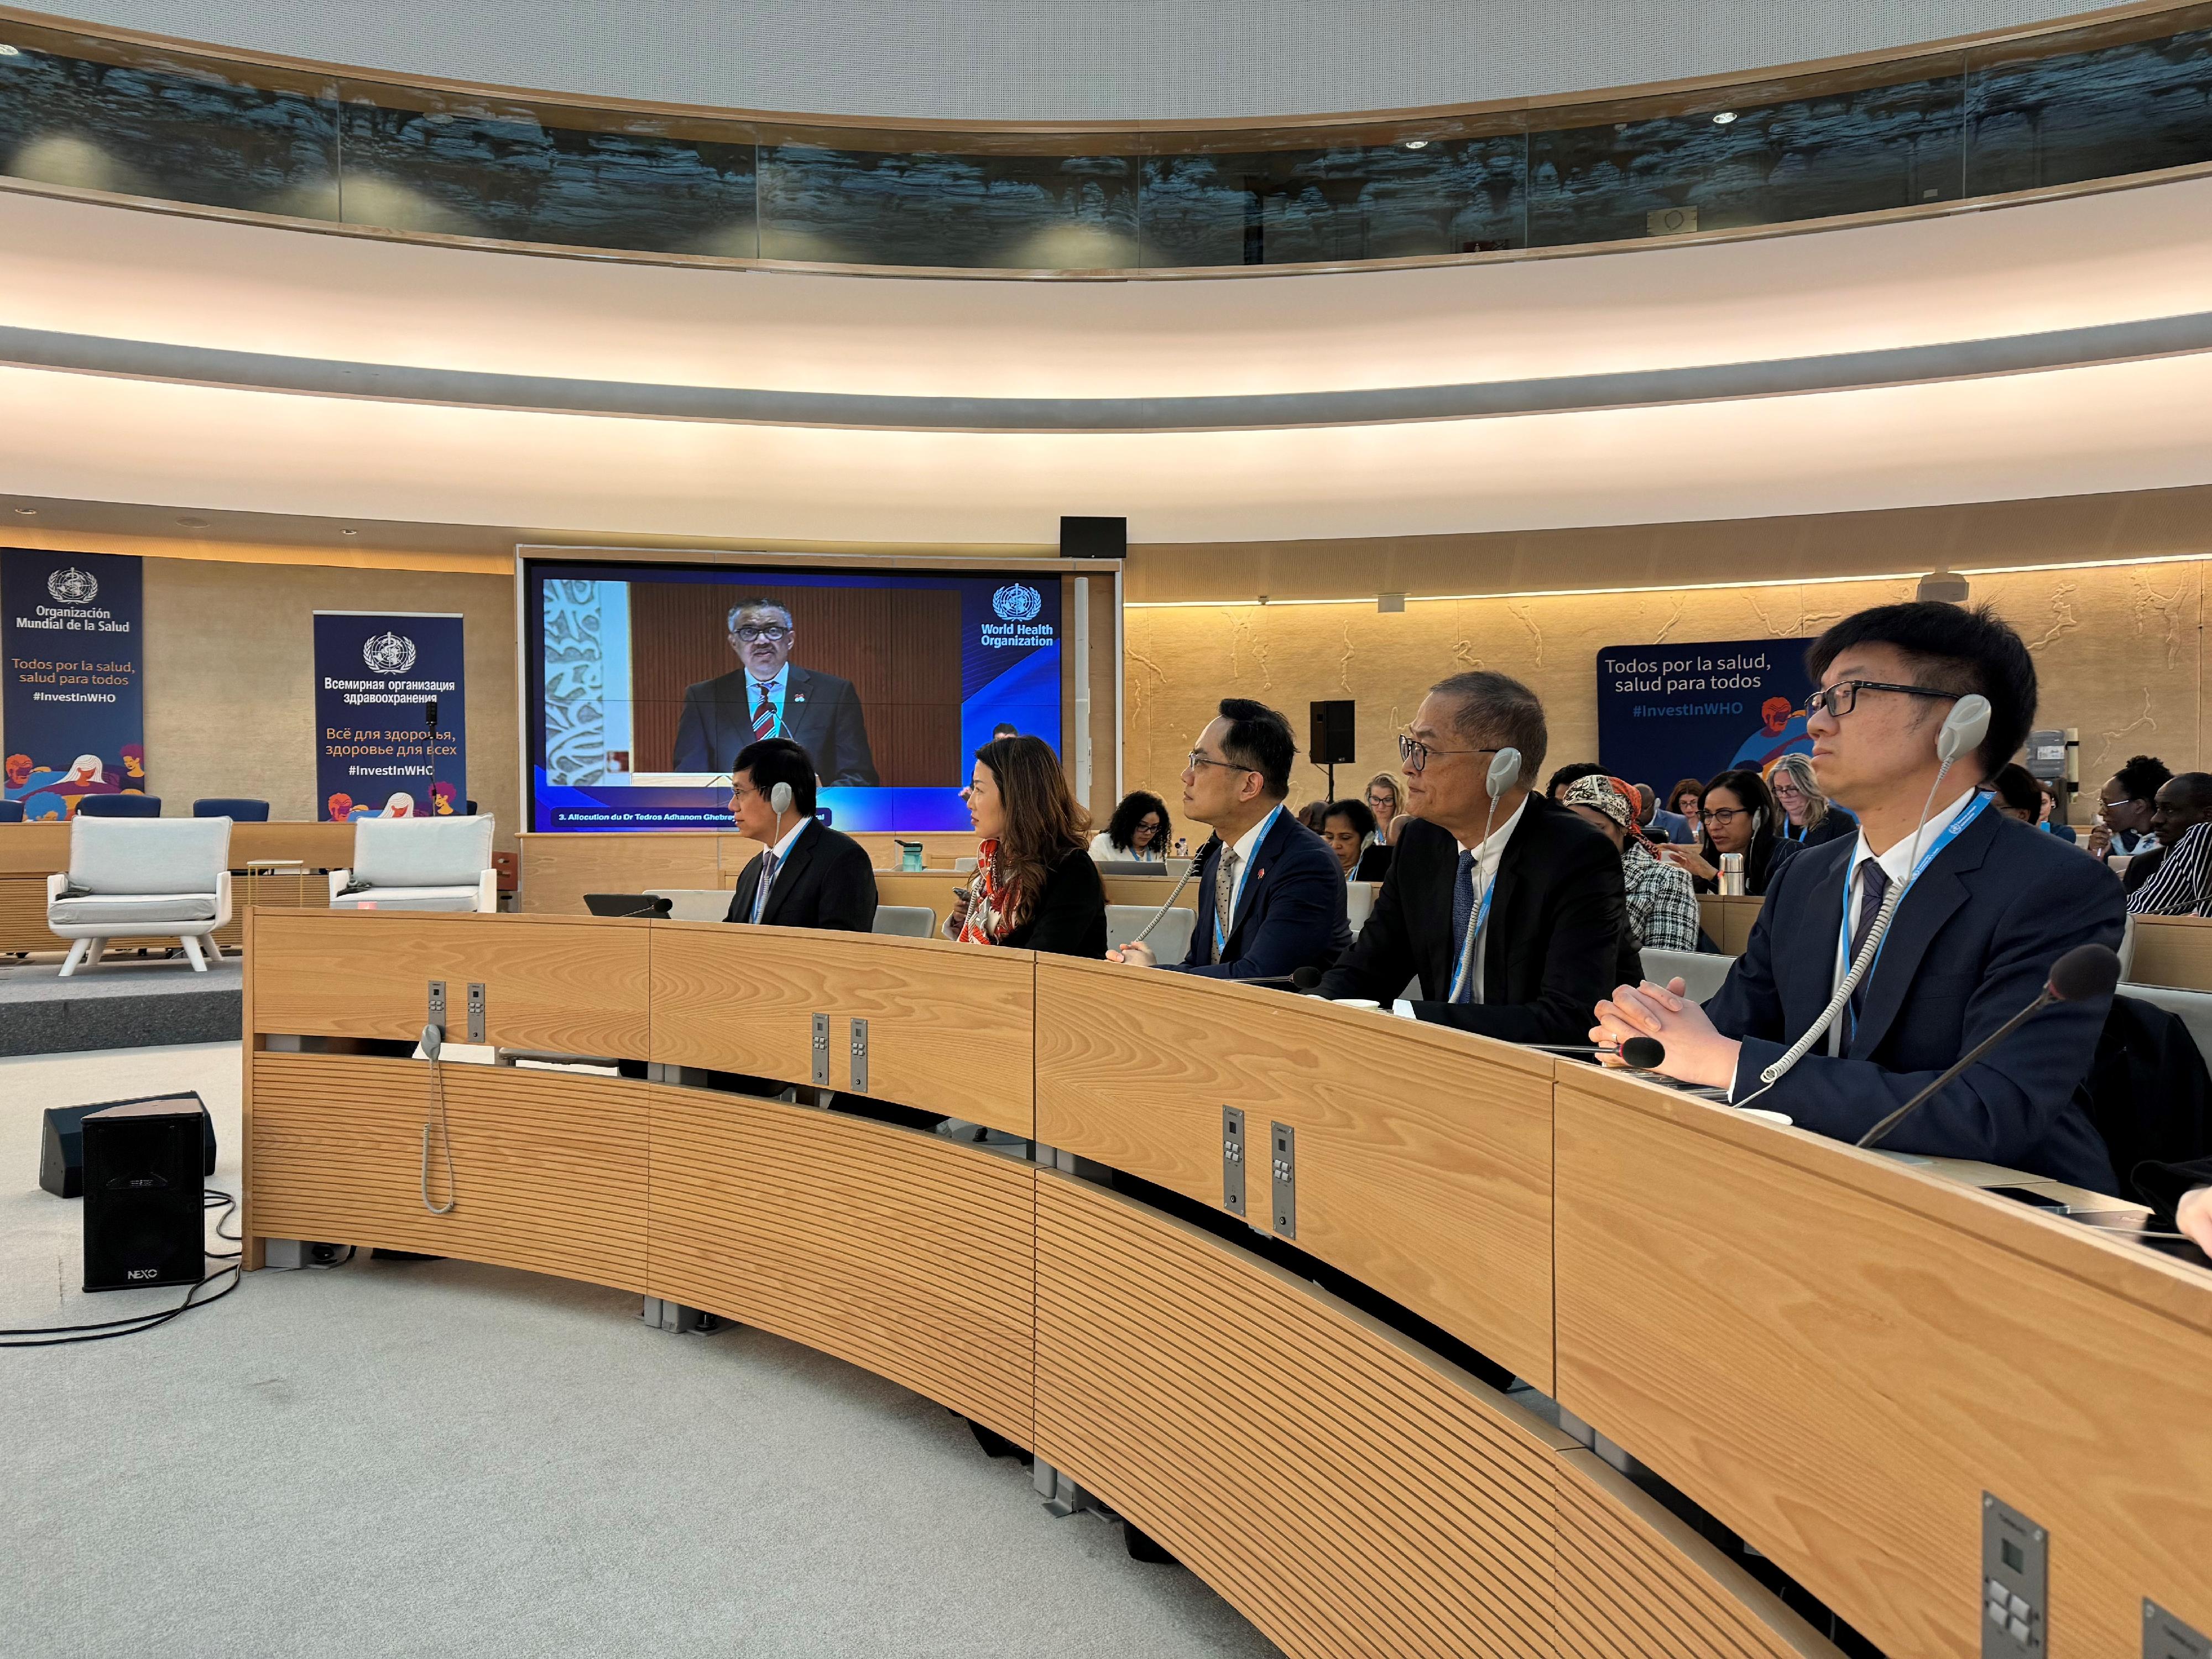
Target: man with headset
x: 811, y: 876
x: 1987, y: 906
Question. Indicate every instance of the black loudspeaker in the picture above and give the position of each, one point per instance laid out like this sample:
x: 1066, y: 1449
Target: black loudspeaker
x: 1328, y: 739
x: 61, y: 1148
x: 1094, y: 538
x: 144, y: 1221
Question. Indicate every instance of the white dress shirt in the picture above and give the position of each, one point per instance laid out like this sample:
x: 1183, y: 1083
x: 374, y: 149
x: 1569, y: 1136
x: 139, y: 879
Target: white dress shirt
x: 1897, y: 865
x: 1246, y: 847
x: 780, y: 852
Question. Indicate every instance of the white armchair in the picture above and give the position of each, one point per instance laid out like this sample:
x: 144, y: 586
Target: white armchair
x: 136, y: 878
x: 418, y: 864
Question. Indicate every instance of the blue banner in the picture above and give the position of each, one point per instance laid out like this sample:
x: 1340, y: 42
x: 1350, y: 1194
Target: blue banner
x: 72, y: 677
x: 390, y: 725
x: 1668, y: 712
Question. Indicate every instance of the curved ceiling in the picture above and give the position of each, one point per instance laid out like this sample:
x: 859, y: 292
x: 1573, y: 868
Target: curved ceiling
x: 1054, y: 60
x: 2054, y: 348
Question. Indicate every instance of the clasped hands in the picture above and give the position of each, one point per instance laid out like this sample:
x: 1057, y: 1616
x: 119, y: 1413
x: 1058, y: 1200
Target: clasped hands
x: 1136, y: 953
x: 1696, y: 1053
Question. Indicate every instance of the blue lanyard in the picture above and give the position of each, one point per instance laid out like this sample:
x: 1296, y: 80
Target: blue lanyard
x: 1462, y: 974
x: 1220, y: 927
x: 1951, y: 832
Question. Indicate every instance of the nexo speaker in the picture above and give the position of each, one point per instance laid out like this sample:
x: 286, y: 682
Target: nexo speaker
x: 143, y: 1222
x: 1329, y: 740
x: 61, y: 1147
x: 1094, y: 538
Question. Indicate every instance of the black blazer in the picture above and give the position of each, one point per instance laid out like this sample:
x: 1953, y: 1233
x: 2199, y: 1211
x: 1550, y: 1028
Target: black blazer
x: 2163, y: 1186
x: 1069, y: 918
x: 1972, y: 945
x: 1374, y: 864
x: 1837, y: 823
x: 1553, y: 948
x: 1291, y: 914
x: 820, y: 714
x: 828, y: 881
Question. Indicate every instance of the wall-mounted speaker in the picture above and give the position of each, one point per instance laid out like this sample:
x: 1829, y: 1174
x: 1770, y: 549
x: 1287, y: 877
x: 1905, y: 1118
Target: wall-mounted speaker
x: 1094, y: 538
x: 144, y: 1221
x: 1328, y: 737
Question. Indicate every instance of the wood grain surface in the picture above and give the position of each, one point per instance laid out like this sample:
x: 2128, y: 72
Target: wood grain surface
x: 549, y: 1171
x: 1348, y: 1492
x: 2172, y: 951
x: 896, y: 1250
x: 1837, y: 1355
x: 566, y: 986
x: 556, y: 871
x: 951, y: 1027
x: 1424, y: 1155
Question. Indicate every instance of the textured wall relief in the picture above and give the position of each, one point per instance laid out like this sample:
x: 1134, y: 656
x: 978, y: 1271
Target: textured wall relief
x: 2062, y: 620
x: 575, y: 685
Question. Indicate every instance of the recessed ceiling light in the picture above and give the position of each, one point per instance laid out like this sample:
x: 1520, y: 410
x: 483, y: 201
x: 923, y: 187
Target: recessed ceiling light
x: 1724, y: 118
x: 193, y: 523
x: 349, y: 532
x: 7, y: 50
x: 1417, y: 143
x: 27, y: 511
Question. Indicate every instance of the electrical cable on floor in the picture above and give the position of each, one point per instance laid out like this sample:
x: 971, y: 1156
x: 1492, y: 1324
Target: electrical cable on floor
x: 51, y: 1336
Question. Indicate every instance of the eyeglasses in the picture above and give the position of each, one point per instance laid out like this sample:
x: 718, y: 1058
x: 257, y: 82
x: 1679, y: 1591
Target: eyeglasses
x: 1724, y: 815
x: 1198, y: 757
x: 1843, y: 697
x: 773, y: 633
x: 1414, y: 754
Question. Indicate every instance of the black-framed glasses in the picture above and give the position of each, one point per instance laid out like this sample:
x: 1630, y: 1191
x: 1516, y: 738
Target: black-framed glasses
x: 1724, y: 815
x: 1843, y: 697
x: 773, y: 633
x: 1198, y: 757
x: 1413, y: 754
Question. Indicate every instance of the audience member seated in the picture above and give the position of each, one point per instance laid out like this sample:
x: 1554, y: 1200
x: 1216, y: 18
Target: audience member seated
x: 1655, y: 823
x: 2174, y: 879
x: 1555, y: 787
x: 2125, y: 806
x: 810, y: 876
x: 1734, y: 815
x: 2050, y: 817
x: 1034, y: 887
x: 1138, y: 829
x: 1312, y: 813
x: 1987, y: 906
x: 1662, y: 906
x: 1386, y: 798
x: 1685, y: 801
x: 1506, y: 910
x: 2180, y: 1193
x: 2017, y: 797
x: 1345, y: 827
x: 1270, y: 892
x: 1808, y: 817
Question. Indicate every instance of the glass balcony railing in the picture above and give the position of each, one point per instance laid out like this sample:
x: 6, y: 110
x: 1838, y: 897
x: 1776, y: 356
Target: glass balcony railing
x: 2025, y: 111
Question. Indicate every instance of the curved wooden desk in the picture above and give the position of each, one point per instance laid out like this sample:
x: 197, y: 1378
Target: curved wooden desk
x: 1832, y: 1353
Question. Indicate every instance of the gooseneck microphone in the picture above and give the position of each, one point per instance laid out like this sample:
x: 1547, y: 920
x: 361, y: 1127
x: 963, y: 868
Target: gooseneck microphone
x: 1640, y: 1053
x: 1305, y: 979
x: 2082, y: 974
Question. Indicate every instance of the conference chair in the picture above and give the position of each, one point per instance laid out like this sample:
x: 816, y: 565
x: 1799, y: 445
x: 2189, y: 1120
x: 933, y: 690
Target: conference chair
x: 11, y: 812
x: 418, y: 864
x: 165, y: 877
x: 1169, y: 941
x: 237, y: 808
x: 1702, y: 974
x: 906, y: 920
x: 119, y: 806
x: 1359, y: 902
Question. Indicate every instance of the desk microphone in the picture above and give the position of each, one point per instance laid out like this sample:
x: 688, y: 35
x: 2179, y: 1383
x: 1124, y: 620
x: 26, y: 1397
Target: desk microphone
x: 1638, y: 1053
x: 1305, y: 979
x: 2083, y: 974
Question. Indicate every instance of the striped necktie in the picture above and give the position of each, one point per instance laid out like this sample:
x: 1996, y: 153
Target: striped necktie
x: 767, y: 881
x: 764, y: 716
x: 1225, y: 899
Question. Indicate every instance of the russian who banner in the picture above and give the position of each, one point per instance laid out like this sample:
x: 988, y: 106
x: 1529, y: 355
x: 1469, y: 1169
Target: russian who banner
x: 390, y: 723
x: 72, y: 678
x: 1668, y: 712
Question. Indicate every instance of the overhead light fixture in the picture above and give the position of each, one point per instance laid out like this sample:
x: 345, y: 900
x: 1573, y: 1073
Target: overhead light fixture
x: 27, y: 512
x: 349, y: 532
x: 1724, y: 118
x: 1417, y: 143
x: 193, y: 523
x: 7, y: 50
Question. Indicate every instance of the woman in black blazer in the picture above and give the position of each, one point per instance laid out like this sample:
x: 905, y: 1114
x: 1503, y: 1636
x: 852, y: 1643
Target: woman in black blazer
x: 1745, y: 824
x: 1034, y: 887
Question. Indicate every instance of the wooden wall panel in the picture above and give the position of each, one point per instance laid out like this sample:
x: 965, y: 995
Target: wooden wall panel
x: 896, y: 1250
x: 1837, y: 1355
x: 1348, y: 1493
x: 2175, y: 950
x: 1424, y: 1155
x: 951, y: 1027
x: 558, y: 869
x: 899, y: 648
x: 568, y: 986
x: 549, y: 1171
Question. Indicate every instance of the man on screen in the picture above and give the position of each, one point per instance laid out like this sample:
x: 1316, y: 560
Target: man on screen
x: 767, y: 698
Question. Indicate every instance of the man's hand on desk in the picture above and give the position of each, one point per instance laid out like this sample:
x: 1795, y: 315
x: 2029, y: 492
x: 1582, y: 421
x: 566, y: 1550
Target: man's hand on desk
x: 2193, y: 1216
x: 1696, y: 1053
x: 1136, y: 953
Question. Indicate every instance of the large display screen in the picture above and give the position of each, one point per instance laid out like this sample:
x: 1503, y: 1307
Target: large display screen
x: 644, y: 682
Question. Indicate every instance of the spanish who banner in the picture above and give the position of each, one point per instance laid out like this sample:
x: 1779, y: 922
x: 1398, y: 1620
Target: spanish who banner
x: 72, y: 683
x: 391, y: 726
x: 1669, y: 712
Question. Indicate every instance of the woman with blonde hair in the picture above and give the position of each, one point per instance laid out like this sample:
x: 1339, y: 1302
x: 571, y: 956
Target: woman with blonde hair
x: 1386, y: 798
x: 1035, y: 886
x: 1809, y: 818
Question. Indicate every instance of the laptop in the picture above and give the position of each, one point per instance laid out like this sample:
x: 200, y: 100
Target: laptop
x: 628, y: 904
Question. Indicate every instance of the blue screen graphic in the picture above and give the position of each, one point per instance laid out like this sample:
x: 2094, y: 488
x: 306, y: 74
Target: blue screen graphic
x: 645, y: 682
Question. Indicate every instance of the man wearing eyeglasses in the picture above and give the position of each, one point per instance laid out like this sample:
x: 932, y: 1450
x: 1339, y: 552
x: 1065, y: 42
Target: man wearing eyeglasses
x: 1986, y: 907
x: 766, y: 696
x: 1507, y: 911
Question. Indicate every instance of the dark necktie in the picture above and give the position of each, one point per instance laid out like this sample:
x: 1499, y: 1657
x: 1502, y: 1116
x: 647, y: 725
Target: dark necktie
x: 1873, y: 881
x: 1462, y: 919
x: 764, y: 717
x: 767, y: 881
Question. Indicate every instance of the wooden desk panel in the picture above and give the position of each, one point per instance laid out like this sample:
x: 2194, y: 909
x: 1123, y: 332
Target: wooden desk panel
x: 2172, y: 951
x: 34, y: 849
x: 938, y: 847
x: 1424, y: 1155
x: 1837, y: 1355
x: 567, y: 986
x: 549, y: 1171
x: 894, y: 1251
x: 1346, y: 1491
x: 1728, y: 921
x: 317, y: 846
x: 556, y: 871
x: 951, y: 1027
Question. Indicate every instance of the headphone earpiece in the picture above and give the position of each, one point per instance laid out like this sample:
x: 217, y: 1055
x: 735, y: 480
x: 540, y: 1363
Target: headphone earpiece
x: 1964, y: 728
x: 779, y: 800
x: 1504, y: 772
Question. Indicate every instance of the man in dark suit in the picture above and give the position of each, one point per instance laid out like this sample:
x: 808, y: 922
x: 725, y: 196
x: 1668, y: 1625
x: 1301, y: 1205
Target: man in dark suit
x: 811, y: 876
x: 1989, y: 905
x: 767, y: 698
x: 1507, y: 911
x: 1270, y: 891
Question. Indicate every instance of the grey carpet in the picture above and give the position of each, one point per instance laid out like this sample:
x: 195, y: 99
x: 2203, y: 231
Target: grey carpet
x: 126, y: 1002
x: 439, y: 1459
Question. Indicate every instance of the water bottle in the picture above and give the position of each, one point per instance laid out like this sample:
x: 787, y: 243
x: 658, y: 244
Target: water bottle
x: 1732, y: 875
